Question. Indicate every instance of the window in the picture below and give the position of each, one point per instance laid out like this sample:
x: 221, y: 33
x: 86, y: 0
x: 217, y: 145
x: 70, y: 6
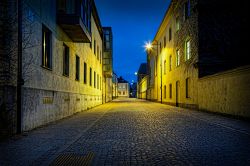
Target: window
x: 85, y: 73
x: 170, y: 63
x: 170, y: 91
x: 66, y: 60
x: 94, y: 46
x: 160, y: 47
x: 101, y: 57
x: 188, y: 88
x: 77, y: 68
x: 94, y: 79
x: 165, y: 66
x: 100, y: 83
x: 97, y: 81
x: 187, y: 10
x: 177, y: 23
x: 188, y: 49
x: 90, y: 76
x: 165, y: 43
x: 46, y: 48
x: 178, y: 58
x: 165, y: 92
x: 170, y: 34
x: 97, y: 52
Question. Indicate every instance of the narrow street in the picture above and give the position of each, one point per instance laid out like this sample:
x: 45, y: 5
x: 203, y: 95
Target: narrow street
x: 134, y: 132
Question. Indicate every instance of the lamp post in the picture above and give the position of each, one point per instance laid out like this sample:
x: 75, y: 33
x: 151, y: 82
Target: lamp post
x: 149, y: 47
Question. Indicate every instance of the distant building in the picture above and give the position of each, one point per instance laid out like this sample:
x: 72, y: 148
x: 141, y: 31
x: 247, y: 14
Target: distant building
x: 61, y: 72
x: 115, y: 86
x: 198, y: 55
x: 123, y: 87
x: 142, y: 81
x: 107, y: 63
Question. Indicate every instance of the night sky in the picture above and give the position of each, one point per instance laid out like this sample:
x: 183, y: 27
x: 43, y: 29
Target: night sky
x: 133, y: 22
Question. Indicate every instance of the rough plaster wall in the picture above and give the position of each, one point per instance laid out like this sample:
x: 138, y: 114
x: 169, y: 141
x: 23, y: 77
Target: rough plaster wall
x: 48, y: 95
x: 226, y: 92
x: 188, y: 29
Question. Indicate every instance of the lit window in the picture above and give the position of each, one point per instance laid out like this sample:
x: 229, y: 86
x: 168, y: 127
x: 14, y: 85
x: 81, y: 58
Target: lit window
x: 178, y: 58
x: 188, y: 49
x: 177, y: 24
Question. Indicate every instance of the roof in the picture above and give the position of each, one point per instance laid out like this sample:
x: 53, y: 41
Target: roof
x: 143, y: 69
x: 121, y: 80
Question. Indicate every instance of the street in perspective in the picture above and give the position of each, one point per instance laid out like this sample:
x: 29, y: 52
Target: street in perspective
x: 114, y: 82
x: 134, y: 132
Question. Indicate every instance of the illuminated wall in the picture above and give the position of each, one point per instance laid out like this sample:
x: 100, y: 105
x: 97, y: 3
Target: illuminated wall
x: 49, y: 94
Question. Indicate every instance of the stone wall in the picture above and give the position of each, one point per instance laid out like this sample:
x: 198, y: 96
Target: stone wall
x: 227, y: 92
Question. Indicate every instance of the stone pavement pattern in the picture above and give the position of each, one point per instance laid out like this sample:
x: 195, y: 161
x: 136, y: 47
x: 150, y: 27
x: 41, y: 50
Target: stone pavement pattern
x: 135, y: 132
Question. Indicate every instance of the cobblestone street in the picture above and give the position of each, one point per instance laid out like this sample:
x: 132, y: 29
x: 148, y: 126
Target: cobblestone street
x: 135, y: 132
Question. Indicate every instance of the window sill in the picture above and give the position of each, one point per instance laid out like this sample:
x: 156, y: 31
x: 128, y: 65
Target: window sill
x: 65, y: 75
x: 47, y: 68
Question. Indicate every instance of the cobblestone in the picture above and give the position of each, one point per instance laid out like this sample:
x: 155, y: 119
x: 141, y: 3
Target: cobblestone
x: 135, y: 132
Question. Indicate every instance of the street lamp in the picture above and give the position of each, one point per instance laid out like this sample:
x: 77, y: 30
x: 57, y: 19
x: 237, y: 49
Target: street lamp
x: 148, y: 47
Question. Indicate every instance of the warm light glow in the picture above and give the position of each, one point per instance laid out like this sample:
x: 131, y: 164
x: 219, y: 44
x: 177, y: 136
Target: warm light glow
x: 148, y: 46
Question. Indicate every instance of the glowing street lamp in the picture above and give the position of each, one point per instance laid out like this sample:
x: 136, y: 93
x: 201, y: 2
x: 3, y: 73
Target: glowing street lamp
x: 148, y: 47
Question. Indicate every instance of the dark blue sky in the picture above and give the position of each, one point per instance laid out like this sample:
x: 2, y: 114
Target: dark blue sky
x: 133, y: 22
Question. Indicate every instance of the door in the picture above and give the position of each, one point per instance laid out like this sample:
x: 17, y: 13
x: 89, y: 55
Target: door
x: 177, y: 93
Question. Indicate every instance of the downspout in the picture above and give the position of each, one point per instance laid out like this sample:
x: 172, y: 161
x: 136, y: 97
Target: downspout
x: 20, y: 80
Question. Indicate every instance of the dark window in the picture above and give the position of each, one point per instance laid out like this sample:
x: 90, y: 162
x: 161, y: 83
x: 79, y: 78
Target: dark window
x: 77, y: 68
x: 101, y: 57
x: 160, y: 47
x: 170, y: 91
x: 90, y: 76
x: 165, y: 92
x: 165, y: 42
x: 98, y: 52
x: 46, y: 48
x: 94, y: 46
x: 188, y: 88
x: 97, y: 81
x: 66, y: 60
x: 94, y: 79
x: 187, y: 9
x: 85, y: 73
x: 170, y: 34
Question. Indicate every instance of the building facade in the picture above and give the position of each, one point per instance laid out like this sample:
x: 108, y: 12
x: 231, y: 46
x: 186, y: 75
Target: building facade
x: 108, y: 63
x: 194, y: 48
x: 123, y: 88
x: 62, y: 70
x: 115, y: 86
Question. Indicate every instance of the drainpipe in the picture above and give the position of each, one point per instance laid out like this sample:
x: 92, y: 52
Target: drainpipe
x: 20, y: 80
